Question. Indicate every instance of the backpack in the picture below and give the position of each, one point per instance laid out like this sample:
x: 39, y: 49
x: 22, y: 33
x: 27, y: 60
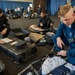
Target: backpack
x: 48, y: 37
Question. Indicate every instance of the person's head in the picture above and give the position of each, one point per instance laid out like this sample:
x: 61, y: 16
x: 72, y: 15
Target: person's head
x: 66, y: 14
x: 39, y: 5
x: 1, y: 12
x: 42, y: 14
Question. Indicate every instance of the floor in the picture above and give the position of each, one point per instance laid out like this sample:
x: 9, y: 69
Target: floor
x: 12, y: 68
x: 16, y: 23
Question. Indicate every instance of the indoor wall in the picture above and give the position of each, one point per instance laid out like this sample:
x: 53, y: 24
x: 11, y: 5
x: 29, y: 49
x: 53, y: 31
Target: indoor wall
x: 53, y: 6
x: 12, y: 5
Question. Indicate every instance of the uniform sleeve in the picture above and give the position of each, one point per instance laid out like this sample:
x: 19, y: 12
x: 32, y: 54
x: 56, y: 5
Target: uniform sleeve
x: 40, y: 20
x: 59, y: 32
x: 48, y: 19
x: 6, y: 21
x: 71, y: 52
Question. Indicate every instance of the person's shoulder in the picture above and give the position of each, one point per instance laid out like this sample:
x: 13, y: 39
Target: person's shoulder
x: 47, y: 16
x: 40, y: 18
x: 4, y: 15
x: 73, y: 24
x: 62, y: 25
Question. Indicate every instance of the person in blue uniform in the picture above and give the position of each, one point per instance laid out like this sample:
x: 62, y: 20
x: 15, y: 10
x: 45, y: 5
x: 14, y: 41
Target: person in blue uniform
x: 4, y: 25
x: 39, y: 10
x: 44, y: 21
x: 65, y: 35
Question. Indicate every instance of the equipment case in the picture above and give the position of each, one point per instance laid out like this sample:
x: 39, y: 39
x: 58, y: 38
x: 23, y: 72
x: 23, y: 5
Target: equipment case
x: 17, y: 53
x: 20, y: 33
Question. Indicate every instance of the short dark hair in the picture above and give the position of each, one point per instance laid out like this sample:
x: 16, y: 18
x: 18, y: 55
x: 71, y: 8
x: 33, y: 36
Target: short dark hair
x: 1, y: 10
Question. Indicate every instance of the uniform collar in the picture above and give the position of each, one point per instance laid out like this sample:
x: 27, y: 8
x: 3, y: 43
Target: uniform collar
x: 73, y: 24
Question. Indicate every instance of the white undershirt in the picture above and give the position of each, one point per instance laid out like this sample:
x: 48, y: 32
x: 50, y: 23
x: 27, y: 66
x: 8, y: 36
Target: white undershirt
x: 69, y: 26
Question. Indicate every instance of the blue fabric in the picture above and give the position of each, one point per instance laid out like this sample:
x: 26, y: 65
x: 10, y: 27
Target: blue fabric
x: 69, y: 34
x: 61, y: 70
x: 73, y: 73
x: 73, y: 3
x: 46, y: 21
x: 53, y: 5
x: 64, y: 40
x: 29, y: 14
x: 39, y: 10
x: 48, y: 10
x: 12, y: 5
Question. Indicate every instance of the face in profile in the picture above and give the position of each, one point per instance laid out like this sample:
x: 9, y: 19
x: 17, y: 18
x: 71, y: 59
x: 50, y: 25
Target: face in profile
x: 42, y: 15
x: 68, y: 19
x: 39, y: 6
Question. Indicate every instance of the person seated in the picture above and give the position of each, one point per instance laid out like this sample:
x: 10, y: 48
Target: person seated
x: 65, y: 35
x: 45, y: 22
x: 4, y: 25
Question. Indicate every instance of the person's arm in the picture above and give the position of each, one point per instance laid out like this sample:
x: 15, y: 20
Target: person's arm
x: 6, y: 22
x: 1, y: 42
x: 59, y: 36
x: 4, y: 31
x: 50, y: 21
x: 40, y: 22
x: 71, y: 52
x: 62, y: 53
x: 59, y: 32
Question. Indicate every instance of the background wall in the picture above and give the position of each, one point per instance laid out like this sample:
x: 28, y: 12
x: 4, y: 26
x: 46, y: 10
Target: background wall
x: 53, y: 6
x: 19, y: 0
x: 73, y: 3
x: 12, y: 5
x: 49, y: 6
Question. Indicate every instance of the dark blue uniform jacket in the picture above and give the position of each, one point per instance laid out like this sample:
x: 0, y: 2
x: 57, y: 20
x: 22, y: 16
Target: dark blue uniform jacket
x: 3, y: 23
x: 69, y: 33
x: 46, y: 21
